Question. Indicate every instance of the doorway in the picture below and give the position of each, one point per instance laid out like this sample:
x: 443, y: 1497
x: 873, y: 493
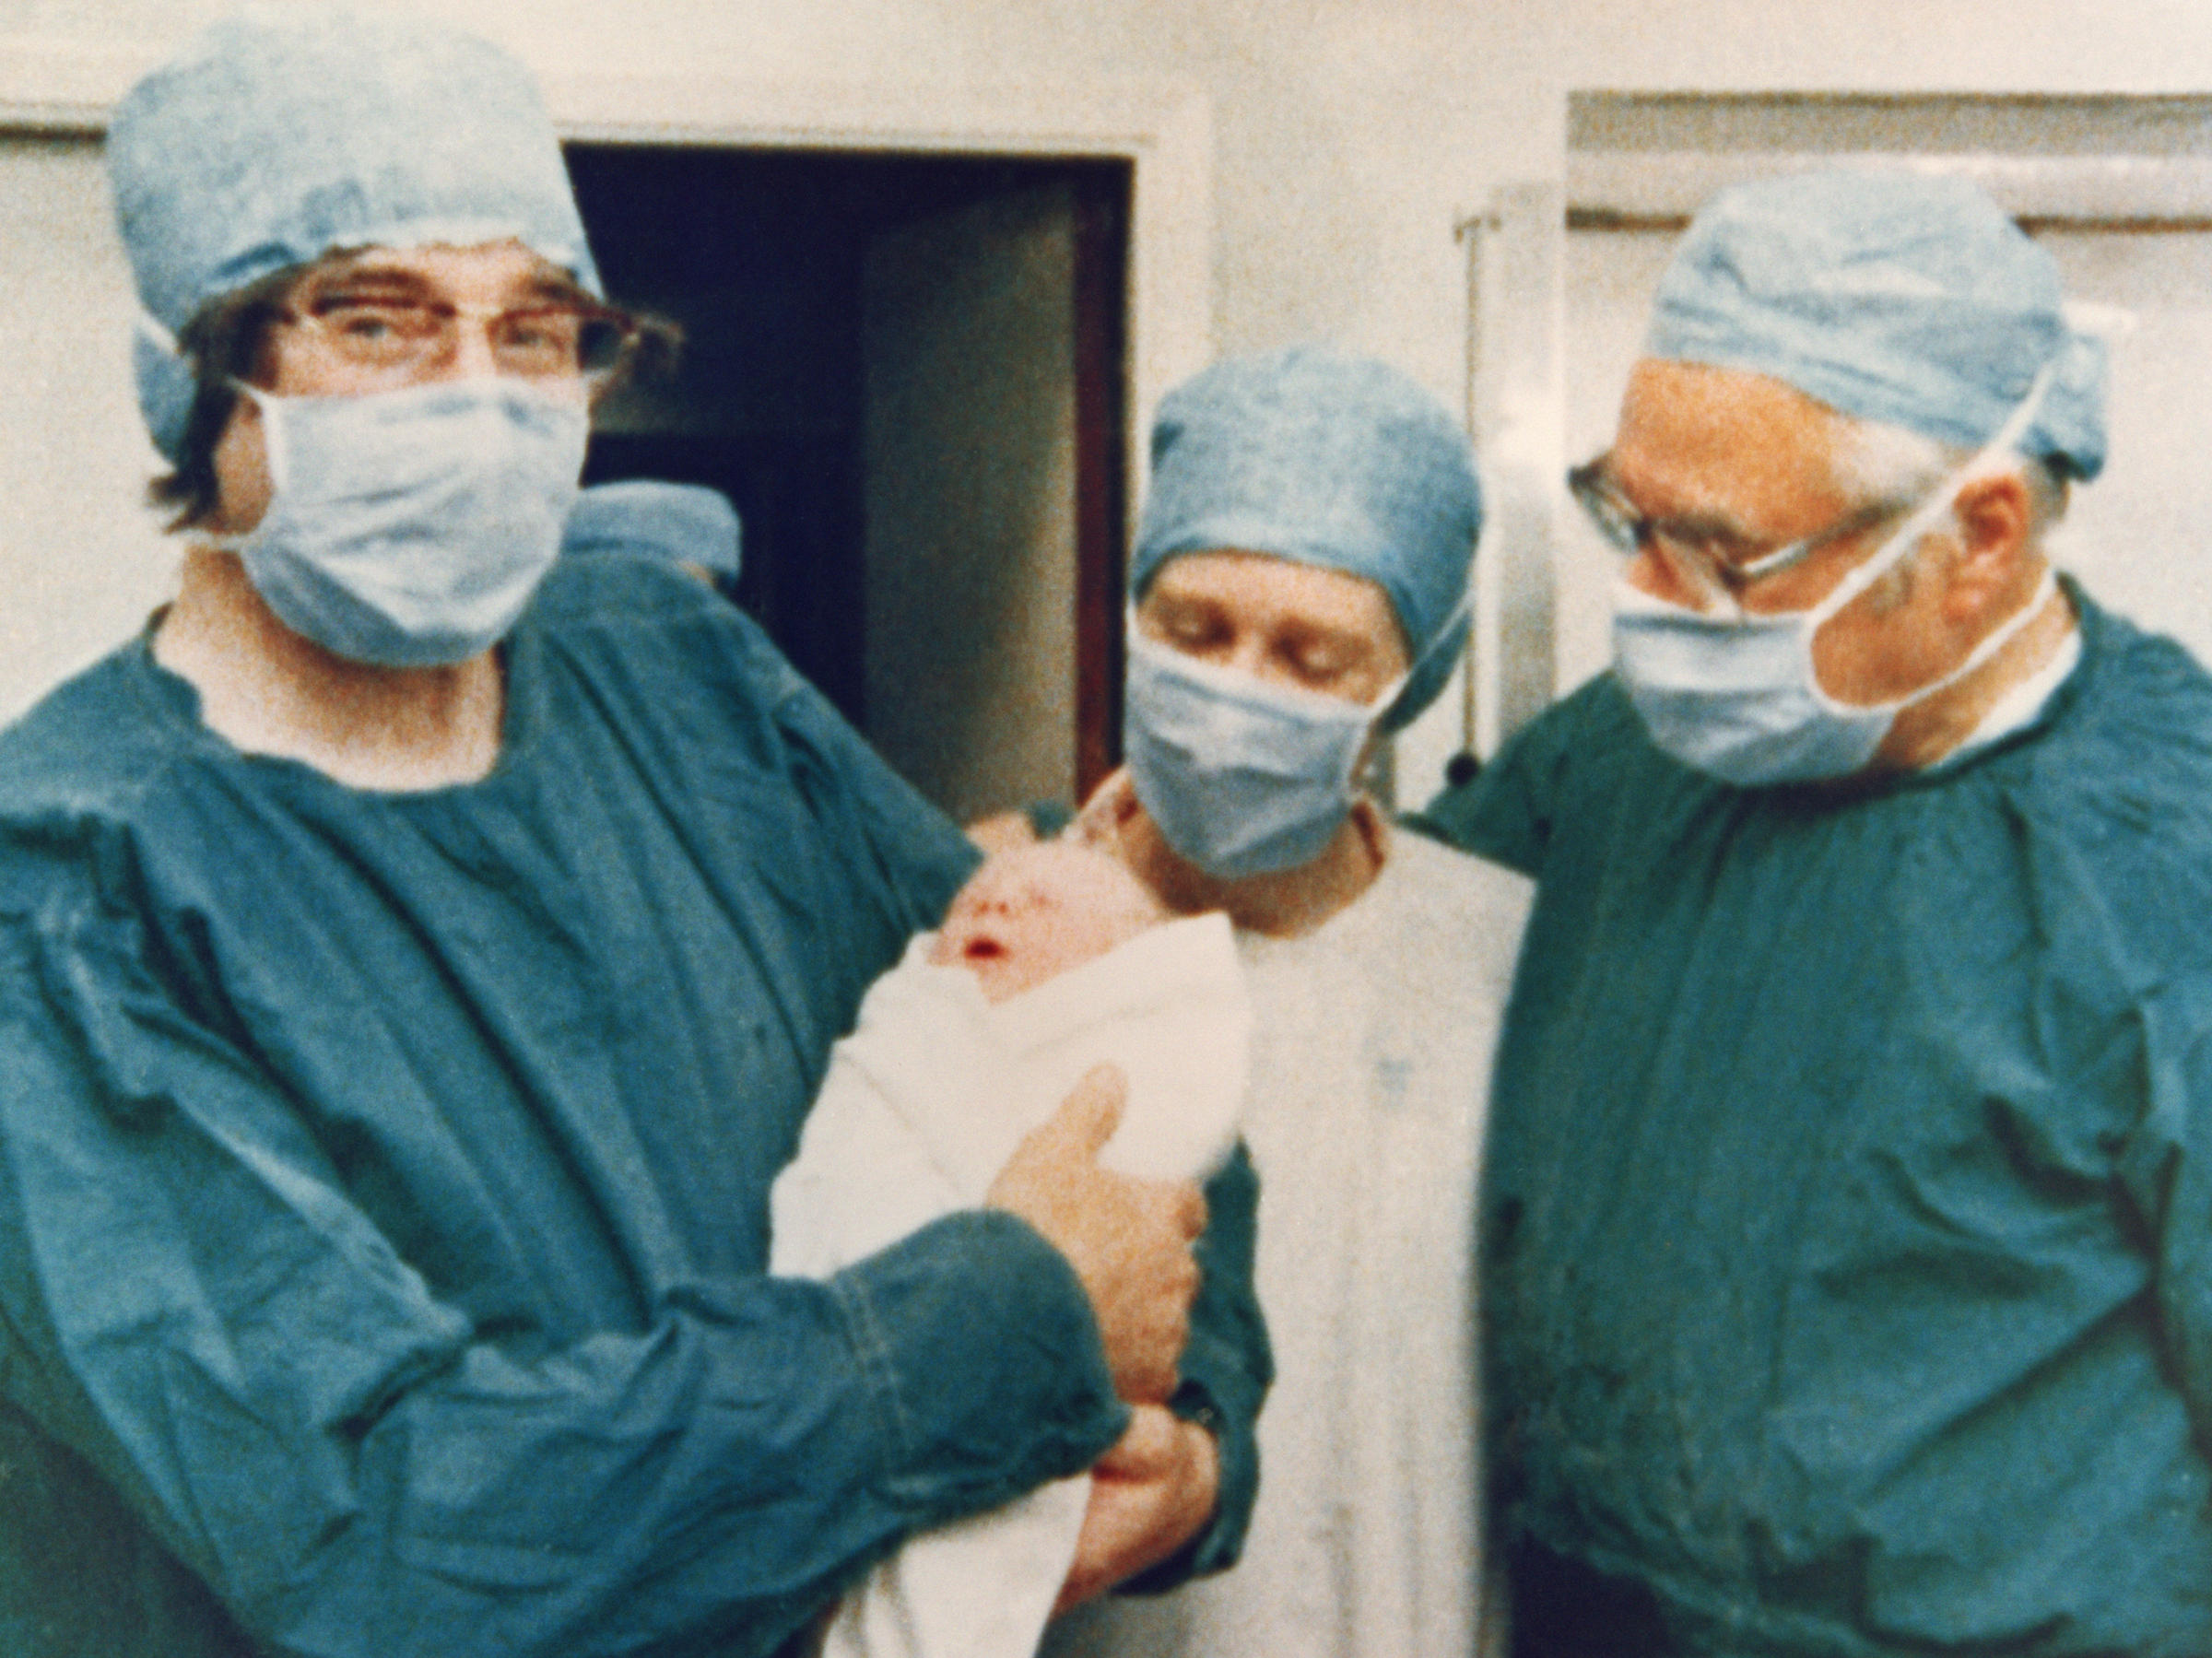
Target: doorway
x: 908, y: 372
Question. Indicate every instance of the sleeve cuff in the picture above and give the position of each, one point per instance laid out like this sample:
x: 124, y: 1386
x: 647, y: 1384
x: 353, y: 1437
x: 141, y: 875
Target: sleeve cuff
x: 1226, y: 1372
x: 984, y: 1361
x: 1220, y: 1541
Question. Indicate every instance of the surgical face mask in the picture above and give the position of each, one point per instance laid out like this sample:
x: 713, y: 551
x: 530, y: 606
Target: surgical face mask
x: 1243, y: 778
x: 409, y: 528
x: 1737, y: 695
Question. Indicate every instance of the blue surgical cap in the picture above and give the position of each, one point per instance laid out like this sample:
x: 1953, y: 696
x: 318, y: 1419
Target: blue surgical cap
x: 682, y: 524
x: 1326, y: 460
x: 1899, y: 297
x: 280, y: 136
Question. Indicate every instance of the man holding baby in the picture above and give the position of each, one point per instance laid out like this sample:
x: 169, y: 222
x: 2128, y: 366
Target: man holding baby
x: 419, y: 959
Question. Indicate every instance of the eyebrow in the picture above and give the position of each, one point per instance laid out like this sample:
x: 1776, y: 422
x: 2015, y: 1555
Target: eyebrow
x: 1702, y: 523
x: 549, y: 286
x: 1708, y: 526
x: 362, y: 275
x: 1300, y: 628
x: 559, y: 287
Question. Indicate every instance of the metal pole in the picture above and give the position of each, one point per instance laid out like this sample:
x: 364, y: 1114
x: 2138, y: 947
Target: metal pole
x: 1473, y: 233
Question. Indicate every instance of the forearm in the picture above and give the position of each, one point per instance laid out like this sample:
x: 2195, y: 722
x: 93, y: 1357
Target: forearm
x: 1227, y: 1369
x: 354, y: 1470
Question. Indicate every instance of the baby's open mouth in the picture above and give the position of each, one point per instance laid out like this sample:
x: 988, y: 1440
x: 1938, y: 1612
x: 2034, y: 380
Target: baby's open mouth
x: 983, y: 950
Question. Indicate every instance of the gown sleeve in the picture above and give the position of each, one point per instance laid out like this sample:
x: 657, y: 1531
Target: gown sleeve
x: 1227, y: 1369
x: 914, y: 857
x: 190, y: 1301
x: 1507, y: 812
x: 2166, y: 1170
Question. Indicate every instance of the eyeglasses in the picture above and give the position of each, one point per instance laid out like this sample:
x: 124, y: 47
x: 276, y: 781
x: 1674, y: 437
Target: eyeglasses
x: 1722, y: 563
x: 389, y: 336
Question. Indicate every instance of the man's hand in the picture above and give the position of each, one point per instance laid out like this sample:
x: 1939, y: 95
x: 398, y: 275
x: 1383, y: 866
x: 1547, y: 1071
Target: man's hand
x: 1129, y: 1240
x: 1149, y: 1496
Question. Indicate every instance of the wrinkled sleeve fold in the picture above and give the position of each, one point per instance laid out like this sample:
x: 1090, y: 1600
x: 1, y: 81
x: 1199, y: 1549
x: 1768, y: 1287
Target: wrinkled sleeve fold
x: 918, y: 855
x: 2166, y: 1169
x: 1507, y: 812
x: 1227, y: 1369
x: 190, y: 1301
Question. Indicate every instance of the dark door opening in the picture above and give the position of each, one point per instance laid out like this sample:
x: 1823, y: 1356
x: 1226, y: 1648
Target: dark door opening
x: 908, y: 373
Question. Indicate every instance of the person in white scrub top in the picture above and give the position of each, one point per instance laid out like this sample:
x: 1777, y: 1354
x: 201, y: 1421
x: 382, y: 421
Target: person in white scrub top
x: 1299, y: 591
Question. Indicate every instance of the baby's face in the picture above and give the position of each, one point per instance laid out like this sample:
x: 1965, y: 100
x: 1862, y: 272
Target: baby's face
x: 1038, y: 910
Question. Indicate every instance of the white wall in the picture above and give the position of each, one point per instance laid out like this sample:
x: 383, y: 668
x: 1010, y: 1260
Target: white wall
x: 81, y: 561
x: 1349, y: 134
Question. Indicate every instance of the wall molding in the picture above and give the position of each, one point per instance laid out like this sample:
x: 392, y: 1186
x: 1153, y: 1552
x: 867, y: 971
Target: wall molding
x: 1662, y: 189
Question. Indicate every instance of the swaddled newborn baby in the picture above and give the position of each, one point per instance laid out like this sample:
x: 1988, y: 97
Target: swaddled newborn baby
x: 1052, y: 960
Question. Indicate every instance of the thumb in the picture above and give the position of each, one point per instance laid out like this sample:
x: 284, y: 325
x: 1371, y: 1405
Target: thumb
x: 1088, y: 1116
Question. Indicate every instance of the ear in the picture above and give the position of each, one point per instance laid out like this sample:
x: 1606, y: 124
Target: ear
x: 1995, y: 522
x: 243, y: 486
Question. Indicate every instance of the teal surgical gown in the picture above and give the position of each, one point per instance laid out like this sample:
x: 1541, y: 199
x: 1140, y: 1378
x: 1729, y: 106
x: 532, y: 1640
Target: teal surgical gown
x: 383, y: 1178
x: 1847, y: 1226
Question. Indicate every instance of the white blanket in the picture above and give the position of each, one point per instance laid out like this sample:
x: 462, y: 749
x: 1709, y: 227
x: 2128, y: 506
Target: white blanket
x: 922, y: 1106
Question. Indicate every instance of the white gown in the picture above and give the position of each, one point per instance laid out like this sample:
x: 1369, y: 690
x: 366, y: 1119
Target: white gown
x: 920, y: 1106
x: 1371, y: 1074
